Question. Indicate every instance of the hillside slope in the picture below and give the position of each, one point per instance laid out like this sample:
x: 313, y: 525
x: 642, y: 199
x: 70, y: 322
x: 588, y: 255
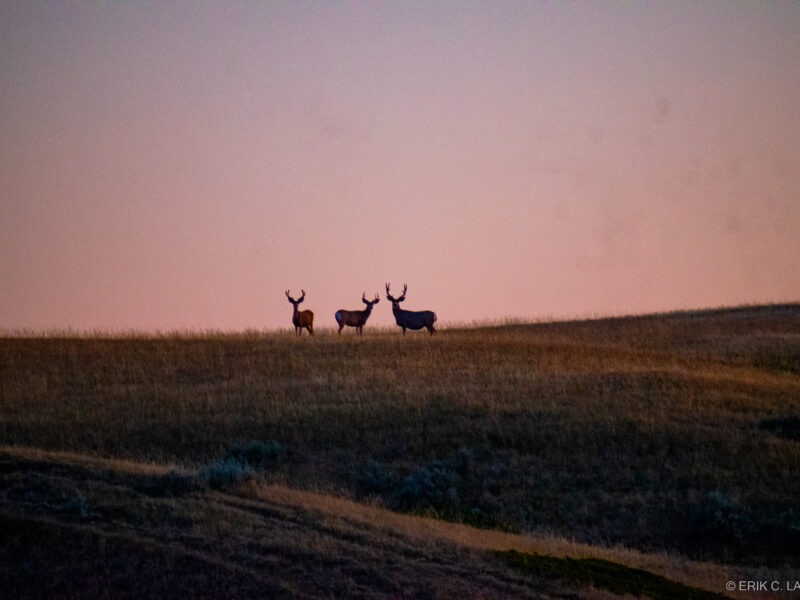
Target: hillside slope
x: 73, y: 526
x: 672, y: 434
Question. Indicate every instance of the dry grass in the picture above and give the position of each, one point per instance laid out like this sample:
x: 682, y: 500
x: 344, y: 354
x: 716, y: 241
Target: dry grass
x: 642, y: 432
x: 73, y: 527
x: 95, y: 524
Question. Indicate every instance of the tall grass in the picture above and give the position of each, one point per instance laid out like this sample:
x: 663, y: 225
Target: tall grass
x: 626, y: 430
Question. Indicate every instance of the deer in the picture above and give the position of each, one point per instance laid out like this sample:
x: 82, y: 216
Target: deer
x: 356, y: 318
x: 409, y: 319
x: 301, y: 319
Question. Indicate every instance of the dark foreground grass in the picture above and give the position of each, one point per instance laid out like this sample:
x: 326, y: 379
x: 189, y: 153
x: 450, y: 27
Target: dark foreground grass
x: 650, y: 432
x: 73, y: 529
x: 605, y: 575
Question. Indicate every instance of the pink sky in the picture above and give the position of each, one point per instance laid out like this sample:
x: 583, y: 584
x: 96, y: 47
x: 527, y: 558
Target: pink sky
x: 179, y: 165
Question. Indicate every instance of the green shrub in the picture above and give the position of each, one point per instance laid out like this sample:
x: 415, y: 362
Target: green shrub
x: 429, y: 486
x: 717, y: 519
x: 225, y: 472
x: 790, y: 519
x: 241, y: 462
x: 373, y: 478
x: 75, y: 507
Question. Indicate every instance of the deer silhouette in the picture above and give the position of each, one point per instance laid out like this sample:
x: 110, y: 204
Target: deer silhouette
x: 301, y: 319
x: 356, y: 318
x: 409, y: 319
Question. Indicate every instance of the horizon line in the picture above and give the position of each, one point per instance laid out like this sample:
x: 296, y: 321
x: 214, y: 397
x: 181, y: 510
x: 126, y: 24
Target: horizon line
x: 499, y: 322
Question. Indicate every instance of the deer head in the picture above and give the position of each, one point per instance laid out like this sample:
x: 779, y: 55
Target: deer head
x: 299, y: 300
x: 369, y: 303
x: 396, y: 301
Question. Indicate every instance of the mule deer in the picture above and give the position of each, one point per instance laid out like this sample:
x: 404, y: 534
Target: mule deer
x: 356, y: 318
x: 409, y: 319
x: 301, y: 319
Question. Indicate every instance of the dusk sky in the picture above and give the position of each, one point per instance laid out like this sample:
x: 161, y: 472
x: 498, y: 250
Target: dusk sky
x: 169, y: 165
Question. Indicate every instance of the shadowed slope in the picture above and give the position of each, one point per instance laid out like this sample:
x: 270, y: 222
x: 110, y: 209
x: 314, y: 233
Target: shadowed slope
x: 667, y: 433
x: 75, y: 527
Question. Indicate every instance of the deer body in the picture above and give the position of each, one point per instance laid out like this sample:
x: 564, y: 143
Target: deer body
x: 301, y: 319
x: 410, y: 319
x: 356, y: 318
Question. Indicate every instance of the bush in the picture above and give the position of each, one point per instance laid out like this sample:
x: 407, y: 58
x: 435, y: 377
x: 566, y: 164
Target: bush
x: 226, y: 472
x: 790, y: 519
x: 457, y: 488
x: 373, y: 478
x: 241, y: 462
x: 76, y: 507
x: 430, y: 486
x: 718, y: 519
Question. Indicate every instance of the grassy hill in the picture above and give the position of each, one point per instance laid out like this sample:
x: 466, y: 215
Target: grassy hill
x: 668, y: 443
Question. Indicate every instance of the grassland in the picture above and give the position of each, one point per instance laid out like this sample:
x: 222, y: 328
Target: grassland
x: 664, y: 442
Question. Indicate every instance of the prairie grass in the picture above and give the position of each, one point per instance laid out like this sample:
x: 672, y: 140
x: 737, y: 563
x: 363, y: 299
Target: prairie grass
x: 644, y: 432
x: 75, y: 526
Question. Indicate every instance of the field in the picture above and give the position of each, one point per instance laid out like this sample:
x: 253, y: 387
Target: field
x: 653, y: 455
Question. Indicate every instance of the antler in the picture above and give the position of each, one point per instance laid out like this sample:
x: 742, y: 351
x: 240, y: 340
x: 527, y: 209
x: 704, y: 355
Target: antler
x: 302, y: 297
x: 401, y: 298
x: 289, y: 297
x: 377, y: 298
x: 364, y: 298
